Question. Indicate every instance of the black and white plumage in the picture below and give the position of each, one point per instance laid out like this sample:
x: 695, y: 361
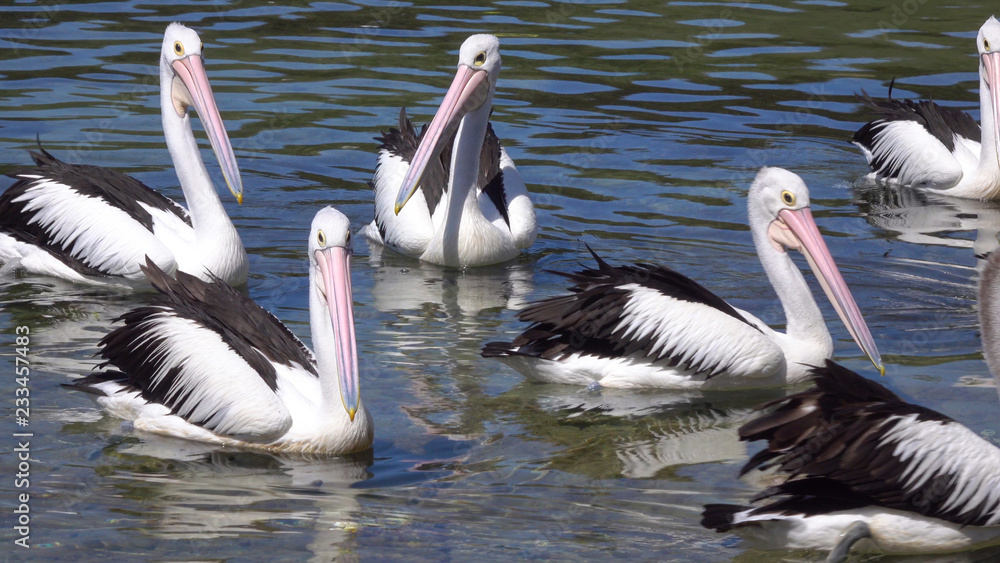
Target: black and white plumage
x: 903, y: 478
x: 470, y: 206
x: 649, y: 326
x: 91, y: 224
x: 925, y: 145
x: 206, y: 363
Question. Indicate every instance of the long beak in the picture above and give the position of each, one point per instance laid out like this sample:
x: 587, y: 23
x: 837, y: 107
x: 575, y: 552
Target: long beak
x: 195, y: 90
x: 811, y: 244
x: 991, y: 63
x: 467, y: 92
x: 335, y: 267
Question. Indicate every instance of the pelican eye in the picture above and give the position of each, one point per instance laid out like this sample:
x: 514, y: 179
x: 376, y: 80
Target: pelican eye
x: 321, y: 239
x: 788, y: 197
x: 986, y: 45
x: 179, y: 48
x: 348, y: 238
x: 480, y: 58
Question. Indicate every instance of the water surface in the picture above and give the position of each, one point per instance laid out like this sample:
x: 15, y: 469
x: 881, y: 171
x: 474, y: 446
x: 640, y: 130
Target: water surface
x: 637, y: 128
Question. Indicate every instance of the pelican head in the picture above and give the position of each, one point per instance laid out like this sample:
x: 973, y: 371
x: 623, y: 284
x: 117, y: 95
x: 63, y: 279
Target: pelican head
x: 473, y: 87
x: 181, y: 60
x: 330, y: 273
x: 779, y: 200
x: 988, y: 43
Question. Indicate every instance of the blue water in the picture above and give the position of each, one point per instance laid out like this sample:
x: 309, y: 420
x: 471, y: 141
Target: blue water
x: 637, y: 129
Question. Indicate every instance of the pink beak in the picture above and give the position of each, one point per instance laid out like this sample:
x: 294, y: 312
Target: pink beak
x: 811, y: 244
x: 335, y: 267
x: 191, y: 71
x: 468, y: 91
x: 991, y: 64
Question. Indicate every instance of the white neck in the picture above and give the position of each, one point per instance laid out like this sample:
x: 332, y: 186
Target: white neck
x: 461, y: 199
x: 804, y: 321
x: 986, y: 176
x: 218, y: 244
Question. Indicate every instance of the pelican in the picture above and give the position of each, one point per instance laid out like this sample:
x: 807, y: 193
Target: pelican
x: 865, y: 466
x: 649, y: 326
x: 925, y: 145
x: 206, y: 363
x: 91, y: 224
x: 470, y: 207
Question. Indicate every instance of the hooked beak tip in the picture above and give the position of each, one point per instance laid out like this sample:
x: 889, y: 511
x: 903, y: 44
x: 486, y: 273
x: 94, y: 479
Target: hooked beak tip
x: 398, y: 207
x: 351, y: 413
x: 881, y: 369
x: 239, y: 199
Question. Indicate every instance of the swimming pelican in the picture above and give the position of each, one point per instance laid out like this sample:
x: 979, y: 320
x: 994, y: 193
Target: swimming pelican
x: 926, y: 145
x: 865, y: 466
x: 86, y: 223
x: 208, y: 364
x: 470, y: 207
x: 648, y: 326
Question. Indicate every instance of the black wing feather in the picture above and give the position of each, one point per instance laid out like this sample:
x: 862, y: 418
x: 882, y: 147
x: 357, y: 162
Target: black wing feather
x: 248, y: 329
x: 116, y: 189
x: 403, y: 142
x: 829, y: 440
x: 490, y: 175
x: 238, y: 319
x: 587, y: 319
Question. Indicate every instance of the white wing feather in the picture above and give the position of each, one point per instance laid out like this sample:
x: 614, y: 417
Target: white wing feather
x: 409, y: 232
x: 934, y: 448
x: 115, y: 244
x: 214, y: 385
x: 520, y: 210
x: 698, y: 334
x: 920, y: 158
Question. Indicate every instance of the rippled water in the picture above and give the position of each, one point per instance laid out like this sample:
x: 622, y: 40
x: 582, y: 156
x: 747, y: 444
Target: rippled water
x: 637, y: 129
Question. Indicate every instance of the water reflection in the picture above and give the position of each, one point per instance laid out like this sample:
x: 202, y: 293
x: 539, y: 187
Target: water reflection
x: 401, y: 284
x: 637, y: 127
x: 922, y: 217
x: 192, y: 491
x: 603, y: 434
x: 65, y: 321
x: 647, y: 432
